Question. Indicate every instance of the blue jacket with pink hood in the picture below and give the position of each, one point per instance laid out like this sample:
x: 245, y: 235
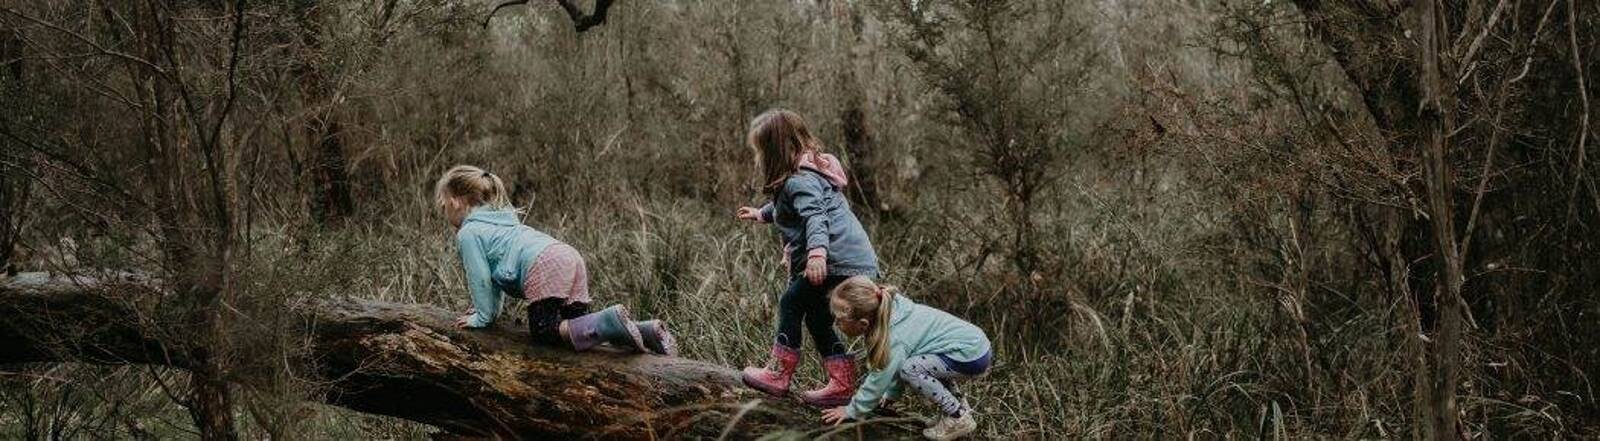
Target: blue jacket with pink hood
x: 813, y: 218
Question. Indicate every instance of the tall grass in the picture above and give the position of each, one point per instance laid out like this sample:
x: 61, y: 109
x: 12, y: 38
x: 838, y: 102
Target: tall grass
x: 1136, y: 335
x: 1139, y: 329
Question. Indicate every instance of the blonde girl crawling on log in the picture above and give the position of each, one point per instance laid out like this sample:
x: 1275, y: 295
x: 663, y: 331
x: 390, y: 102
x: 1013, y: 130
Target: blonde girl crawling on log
x: 503, y: 255
x: 926, y: 348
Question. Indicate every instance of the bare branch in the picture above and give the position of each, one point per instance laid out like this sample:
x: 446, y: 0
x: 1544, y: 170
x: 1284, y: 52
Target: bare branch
x: 1477, y: 43
x: 582, y: 22
x: 86, y: 40
x: 497, y: 10
x: 1583, y: 89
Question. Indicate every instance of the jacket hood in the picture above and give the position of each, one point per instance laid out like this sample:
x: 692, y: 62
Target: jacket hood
x: 901, y: 309
x: 494, y: 216
x: 826, y: 165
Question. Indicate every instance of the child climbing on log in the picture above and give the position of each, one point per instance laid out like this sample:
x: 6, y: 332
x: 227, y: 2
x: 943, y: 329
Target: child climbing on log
x: 920, y: 345
x: 823, y: 244
x: 503, y: 255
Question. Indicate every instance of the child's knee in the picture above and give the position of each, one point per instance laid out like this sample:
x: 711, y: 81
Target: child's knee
x: 911, y: 374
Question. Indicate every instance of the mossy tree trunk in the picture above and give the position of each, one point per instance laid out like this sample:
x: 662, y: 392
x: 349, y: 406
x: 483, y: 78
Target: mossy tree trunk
x: 408, y: 361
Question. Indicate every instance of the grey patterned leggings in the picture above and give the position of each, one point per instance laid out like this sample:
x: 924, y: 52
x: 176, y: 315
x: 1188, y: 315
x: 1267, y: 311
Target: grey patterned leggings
x: 931, y: 376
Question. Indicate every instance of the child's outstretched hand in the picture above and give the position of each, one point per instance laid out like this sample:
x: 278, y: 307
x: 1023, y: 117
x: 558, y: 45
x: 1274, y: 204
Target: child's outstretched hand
x: 816, y: 269
x: 749, y: 213
x: 834, y: 416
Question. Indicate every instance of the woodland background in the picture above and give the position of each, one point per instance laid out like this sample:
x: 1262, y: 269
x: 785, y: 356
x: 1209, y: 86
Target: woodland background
x: 1175, y: 218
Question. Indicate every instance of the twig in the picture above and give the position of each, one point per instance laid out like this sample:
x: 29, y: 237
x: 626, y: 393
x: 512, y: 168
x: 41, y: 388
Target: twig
x: 1477, y: 43
x: 1583, y: 90
x: 580, y: 20
x: 88, y: 41
x: 1488, y: 164
x: 1527, y: 63
x: 497, y: 9
x: 744, y: 409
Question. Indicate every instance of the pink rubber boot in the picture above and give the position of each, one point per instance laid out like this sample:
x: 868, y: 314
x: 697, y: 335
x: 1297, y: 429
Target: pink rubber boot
x: 774, y: 382
x: 841, y: 383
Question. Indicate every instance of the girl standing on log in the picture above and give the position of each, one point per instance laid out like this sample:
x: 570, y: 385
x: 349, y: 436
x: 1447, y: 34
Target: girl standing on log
x: 503, y: 255
x: 920, y: 345
x: 823, y: 243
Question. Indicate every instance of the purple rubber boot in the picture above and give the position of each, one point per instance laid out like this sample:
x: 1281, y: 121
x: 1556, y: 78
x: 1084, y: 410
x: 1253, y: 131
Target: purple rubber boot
x: 656, y: 337
x: 610, y: 325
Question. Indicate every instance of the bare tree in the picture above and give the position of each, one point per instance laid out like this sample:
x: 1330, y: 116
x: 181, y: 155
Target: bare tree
x: 1444, y: 93
x: 182, y: 110
x: 1016, y: 111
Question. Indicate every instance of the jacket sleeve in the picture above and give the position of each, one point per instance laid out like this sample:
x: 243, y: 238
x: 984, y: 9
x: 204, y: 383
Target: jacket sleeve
x: 877, y: 385
x: 767, y: 213
x: 485, y: 297
x: 806, y: 196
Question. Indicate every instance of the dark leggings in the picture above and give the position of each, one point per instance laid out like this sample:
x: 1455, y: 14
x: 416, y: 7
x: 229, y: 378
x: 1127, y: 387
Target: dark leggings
x: 545, y: 317
x: 808, y: 304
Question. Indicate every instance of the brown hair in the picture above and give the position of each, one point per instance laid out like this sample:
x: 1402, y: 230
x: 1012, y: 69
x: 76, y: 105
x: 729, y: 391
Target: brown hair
x: 779, y: 137
x: 472, y: 187
x: 859, y: 298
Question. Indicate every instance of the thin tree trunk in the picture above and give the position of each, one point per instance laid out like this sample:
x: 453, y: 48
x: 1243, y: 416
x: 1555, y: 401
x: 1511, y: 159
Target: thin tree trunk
x: 1441, y: 419
x: 190, y: 256
x: 1297, y: 275
x: 859, y: 145
x: 211, y: 402
x: 14, y: 188
x: 14, y: 192
x: 331, y: 200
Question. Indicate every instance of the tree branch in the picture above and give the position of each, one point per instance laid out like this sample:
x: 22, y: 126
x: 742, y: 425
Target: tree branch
x: 582, y: 22
x: 86, y: 40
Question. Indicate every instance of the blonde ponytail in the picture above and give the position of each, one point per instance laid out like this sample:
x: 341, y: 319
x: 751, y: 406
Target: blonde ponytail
x: 859, y: 298
x: 878, y: 338
x: 500, y: 198
x: 472, y: 186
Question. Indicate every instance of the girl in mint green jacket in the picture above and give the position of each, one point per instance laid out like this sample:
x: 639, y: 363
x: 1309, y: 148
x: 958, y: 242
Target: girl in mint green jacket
x: 919, y: 345
x: 501, y: 255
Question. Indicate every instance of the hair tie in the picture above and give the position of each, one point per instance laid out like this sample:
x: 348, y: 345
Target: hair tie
x: 487, y: 174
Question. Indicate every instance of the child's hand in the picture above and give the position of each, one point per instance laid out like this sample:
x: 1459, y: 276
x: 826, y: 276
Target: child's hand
x: 834, y: 416
x: 463, y: 321
x: 749, y: 214
x: 816, y: 269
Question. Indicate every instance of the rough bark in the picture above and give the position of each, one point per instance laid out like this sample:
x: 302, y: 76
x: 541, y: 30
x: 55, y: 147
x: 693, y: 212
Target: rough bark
x: 407, y: 361
x: 1440, y: 415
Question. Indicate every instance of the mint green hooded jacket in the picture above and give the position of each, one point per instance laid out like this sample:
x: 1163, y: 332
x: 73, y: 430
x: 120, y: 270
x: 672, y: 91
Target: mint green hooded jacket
x: 497, y: 250
x: 915, y: 330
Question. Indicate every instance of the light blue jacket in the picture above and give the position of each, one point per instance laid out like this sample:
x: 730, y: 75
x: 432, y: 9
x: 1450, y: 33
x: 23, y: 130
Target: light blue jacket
x: 915, y: 330
x: 496, y: 250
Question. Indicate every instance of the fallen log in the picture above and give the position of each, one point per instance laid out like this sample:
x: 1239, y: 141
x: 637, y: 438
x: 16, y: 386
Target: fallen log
x: 407, y: 361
